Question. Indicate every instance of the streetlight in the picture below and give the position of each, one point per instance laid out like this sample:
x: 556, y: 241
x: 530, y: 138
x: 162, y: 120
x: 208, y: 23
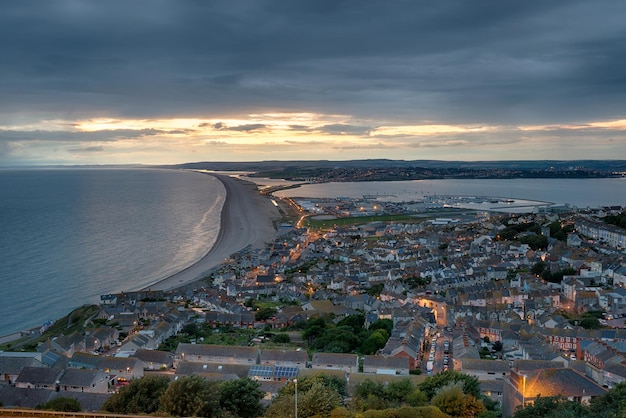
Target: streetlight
x: 295, y: 381
x: 523, y: 390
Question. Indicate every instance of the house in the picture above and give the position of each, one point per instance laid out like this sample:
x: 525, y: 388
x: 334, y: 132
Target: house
x: 285, y: 358
x: 14, y: 397
x: 524, y: 387
x: 324, y: 307
x: 484, y: 369
x: 38, y: 378
x: 213, y: 371
x: 11, y: 364
x: 155, y: 359
x: 66, y: 345
x: 108, y: 300
x: 99, y: 339
x: 127, y: 368
x: 120, y: 367
x: 139, y: 342
x: 386, y: 365
x: 336, y: 361
x: 84, y: 380
x: 272, y: 373
x: 84, y: 361
x: 205, y: 353
x: 236, y: 320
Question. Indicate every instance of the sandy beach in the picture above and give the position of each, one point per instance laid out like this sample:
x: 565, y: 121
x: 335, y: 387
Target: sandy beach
x: 246, y: 219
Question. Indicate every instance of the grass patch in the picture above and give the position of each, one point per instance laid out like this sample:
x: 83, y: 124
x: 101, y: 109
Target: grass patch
x: 267, y: 304
x: 74, y: 322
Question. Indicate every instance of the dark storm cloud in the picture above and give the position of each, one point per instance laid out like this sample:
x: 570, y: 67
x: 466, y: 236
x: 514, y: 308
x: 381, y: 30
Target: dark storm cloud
x: 454, y: 61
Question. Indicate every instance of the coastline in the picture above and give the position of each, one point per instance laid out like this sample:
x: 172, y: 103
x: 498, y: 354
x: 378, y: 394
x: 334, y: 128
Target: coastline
x: 246, y: 219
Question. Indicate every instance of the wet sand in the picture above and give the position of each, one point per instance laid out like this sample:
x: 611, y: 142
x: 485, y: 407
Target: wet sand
x: 247, y: 219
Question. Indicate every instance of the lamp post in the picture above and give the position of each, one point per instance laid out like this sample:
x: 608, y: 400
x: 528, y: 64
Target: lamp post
x: 523, y: 390
x: 295, y: 381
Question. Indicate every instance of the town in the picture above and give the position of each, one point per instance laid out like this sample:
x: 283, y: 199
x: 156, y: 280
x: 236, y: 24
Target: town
x: 530, y: 304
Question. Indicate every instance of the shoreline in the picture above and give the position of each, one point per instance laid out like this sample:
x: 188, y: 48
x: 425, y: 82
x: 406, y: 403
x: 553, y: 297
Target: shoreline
x: 246, y: 220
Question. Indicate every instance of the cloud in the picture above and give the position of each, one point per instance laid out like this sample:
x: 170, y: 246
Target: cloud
x: 73, y: 136
x: 376, y: 146
x: 344, y: 129
x: 371, y: 64
x: 252, y: 127
x: 83, y: 150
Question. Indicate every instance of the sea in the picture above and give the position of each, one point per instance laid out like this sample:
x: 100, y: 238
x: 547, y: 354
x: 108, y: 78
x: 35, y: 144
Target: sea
x: 68, y: 236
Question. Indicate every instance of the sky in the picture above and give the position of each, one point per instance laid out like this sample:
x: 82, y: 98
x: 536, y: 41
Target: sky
x: 173, y: 81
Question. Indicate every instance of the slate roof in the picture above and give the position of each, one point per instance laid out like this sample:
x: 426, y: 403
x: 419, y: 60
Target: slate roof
x: 336, y: 359
x: 496, y: 366
x: 217, y: 351
x: 14, y: 365
x: 80, y: 377
x: 39, y: 375
x: 11, y: 396
x: 154, y: 356
x: 535, y: 364
x: 202, y: 369
x: 284, y: 355
x: 561, y: 381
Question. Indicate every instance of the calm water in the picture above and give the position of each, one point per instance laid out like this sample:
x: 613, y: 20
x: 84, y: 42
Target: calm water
x: 68, y: 236
x: 581, y: 193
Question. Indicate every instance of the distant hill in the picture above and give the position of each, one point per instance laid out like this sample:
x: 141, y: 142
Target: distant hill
x: 599, y: 165
x: 383, y: 169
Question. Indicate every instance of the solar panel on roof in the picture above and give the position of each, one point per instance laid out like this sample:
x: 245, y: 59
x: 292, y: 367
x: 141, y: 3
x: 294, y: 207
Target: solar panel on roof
x: 288, y: 372
x: 261, y: 371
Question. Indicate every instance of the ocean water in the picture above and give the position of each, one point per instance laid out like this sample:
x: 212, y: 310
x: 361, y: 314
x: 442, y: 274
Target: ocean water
x: 69, y: 235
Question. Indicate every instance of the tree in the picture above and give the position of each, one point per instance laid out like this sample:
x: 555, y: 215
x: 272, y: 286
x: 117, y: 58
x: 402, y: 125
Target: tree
x: 590, y: 323
x: 375, y: 341
x: 339, y: 339
x: 61, y: 404
x: 313, y: 329
x: 538, y: 268
x: 139, y: 397
x: 368, y: 387
x: 434, y: 383
x: 191, y: 396
x: 398, y: 391
x: 386, y: 324
x: 553, y: 407
x: 376, y: 289
x: 242, y: 397
x: 417, y: 398
x: 318, y: 400
x: 497, y: 346
x: 190, y: 329
x: 612, y: 403
x: 451, y: 400
x: 264, y: 314
x: 355, y: 321
x: 316, y: 396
